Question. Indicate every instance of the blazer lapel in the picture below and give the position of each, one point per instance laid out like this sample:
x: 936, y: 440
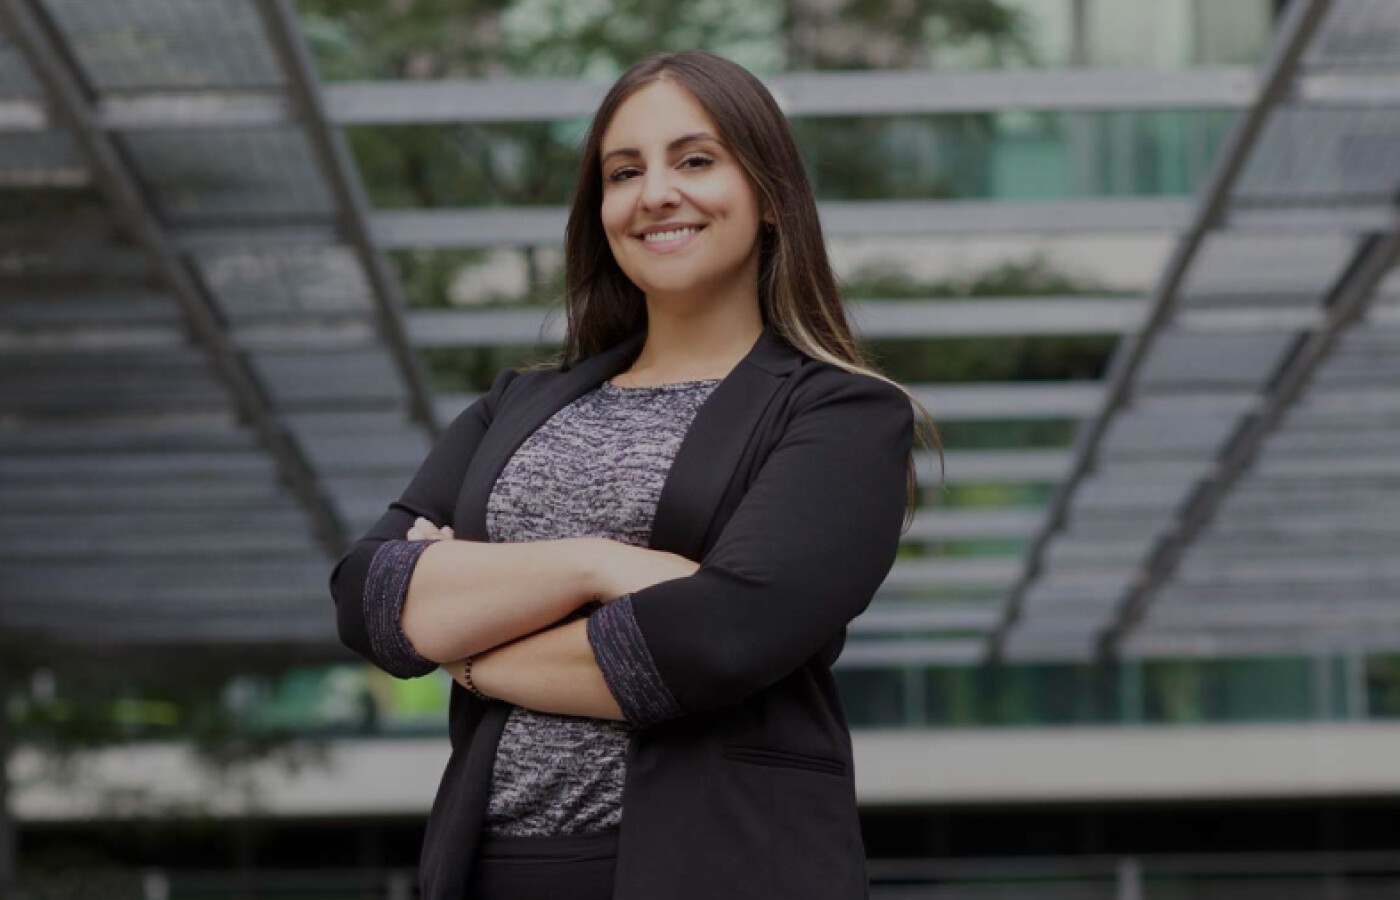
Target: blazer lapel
x: 704, y: 463
x: 714, y: 445
x: 521, y: 418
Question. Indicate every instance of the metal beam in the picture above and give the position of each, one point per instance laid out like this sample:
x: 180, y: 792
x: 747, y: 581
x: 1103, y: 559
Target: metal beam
x: 965, y: 572
x: 811, y: 94
x: 184, y: 111
x: 909, y: 319
x: 1301, y: 20
x: 858, y: 654
x: 965, y: 402
x: 802, y: 95
x: 68, y: 98
x: 912, y: 318
x: 994, y: 465
x: 1301, y: 642
x: 957, y: 524
x: 1346, y: 305
x: 314, y: 628
x: 544, y: 225
x: 22, y: 117
x: 1361, y: 615
x: 284, y: 33
x: 897, y: 618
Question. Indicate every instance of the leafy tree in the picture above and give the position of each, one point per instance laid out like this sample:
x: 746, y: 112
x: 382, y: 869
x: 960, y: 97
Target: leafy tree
x: 62, y: 705
x: 528, y: 164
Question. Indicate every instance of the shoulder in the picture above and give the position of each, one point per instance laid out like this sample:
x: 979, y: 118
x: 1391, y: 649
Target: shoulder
x: 483, y: 409
x: 822, y: 383
x: 510, y: 383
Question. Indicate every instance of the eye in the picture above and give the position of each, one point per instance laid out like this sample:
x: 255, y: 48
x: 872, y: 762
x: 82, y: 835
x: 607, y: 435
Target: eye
x: 704, y: 161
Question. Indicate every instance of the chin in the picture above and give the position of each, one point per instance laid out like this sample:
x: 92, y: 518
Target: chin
x: 676, y: 285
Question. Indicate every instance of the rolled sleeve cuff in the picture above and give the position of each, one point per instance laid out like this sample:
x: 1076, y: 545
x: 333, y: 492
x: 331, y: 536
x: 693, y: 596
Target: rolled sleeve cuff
x: 627, y: 665
x: 386, y: 588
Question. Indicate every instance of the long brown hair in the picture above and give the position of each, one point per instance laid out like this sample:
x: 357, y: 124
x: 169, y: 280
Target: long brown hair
x: 797, y: 289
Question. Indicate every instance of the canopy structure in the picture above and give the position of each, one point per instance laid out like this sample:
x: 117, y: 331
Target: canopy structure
x: 212, y: 382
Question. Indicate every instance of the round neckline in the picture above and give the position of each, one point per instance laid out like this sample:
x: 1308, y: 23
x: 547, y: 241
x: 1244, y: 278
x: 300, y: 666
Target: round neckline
x: 669, y: 385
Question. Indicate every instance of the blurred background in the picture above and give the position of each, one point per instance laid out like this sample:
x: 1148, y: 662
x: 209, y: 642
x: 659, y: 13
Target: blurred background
x: 1137, y: 257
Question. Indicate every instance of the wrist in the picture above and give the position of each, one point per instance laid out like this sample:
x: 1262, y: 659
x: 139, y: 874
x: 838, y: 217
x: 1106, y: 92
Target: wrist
x: 471, y: 671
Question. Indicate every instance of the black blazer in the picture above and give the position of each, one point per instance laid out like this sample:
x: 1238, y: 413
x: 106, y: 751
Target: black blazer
x: 789, y: 489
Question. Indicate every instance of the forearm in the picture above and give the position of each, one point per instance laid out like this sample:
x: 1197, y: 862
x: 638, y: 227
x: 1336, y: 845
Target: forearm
x: 553, y: 671
x: 468, y: 596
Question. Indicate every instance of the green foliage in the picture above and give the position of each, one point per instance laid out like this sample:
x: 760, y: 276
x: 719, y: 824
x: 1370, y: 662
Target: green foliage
x: 469, y: 164
x: 1033, y: 277
x: 1383, y: 686
x: 459, y: 369
x: 1009, y: 434
x: 1166, y: 692
x: 401, y: 38
x: 898, y: 157
x: 976, y: 359
x: 68, y: 707
x: 1182, y: 691
x: 910, y: 33
x: 377, y: 39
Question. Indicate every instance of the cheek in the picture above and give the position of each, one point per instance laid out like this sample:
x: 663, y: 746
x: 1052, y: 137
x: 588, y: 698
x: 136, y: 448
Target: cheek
x: 614, y: 216
x: 733, y: 199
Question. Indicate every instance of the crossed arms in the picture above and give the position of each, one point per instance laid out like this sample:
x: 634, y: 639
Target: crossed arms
x: 520, y: 591
x: 802, y: 554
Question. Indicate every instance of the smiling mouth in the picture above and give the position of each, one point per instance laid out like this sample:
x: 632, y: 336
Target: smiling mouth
x: 662, y: 240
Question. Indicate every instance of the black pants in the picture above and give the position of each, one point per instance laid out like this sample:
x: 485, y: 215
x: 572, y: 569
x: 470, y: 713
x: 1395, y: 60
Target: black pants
x: 554, y: 867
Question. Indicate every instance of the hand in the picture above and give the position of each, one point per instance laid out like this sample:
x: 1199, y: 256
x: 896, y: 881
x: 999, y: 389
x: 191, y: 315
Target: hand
x: 625, y: 568
x: 423, y: 530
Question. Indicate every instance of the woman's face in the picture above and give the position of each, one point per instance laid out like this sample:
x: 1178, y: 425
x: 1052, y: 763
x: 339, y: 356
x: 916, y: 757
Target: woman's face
x: 664, y: 170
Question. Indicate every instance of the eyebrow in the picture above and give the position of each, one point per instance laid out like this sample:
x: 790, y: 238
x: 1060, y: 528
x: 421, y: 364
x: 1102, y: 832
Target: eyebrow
x: 678, y: 142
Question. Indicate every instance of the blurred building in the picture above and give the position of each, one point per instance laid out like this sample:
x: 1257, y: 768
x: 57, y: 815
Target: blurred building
x: 1136, y: 258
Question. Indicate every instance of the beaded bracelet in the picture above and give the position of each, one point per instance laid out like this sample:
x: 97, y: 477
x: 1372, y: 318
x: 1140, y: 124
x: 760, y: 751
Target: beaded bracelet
x: 467, y: 680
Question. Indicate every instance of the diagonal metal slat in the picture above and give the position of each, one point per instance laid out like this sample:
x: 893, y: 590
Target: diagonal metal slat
x: 42, y: 48
x: 1353, y: 296
x: 289, y: 47
x: 1301, y: 20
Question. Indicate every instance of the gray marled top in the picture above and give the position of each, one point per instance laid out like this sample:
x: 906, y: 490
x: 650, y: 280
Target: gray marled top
x: 595, y: 469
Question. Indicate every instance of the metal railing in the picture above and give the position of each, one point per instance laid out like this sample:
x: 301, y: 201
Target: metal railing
x: 1233, y: 876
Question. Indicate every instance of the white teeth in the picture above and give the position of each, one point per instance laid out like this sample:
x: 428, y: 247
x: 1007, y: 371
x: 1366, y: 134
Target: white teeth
x: 662, y: 237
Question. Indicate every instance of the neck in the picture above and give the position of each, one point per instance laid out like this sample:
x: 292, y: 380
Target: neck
x: 699, y: 337
x: 694, y: 347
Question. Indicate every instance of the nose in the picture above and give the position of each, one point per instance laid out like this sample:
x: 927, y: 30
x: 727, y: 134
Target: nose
x: 658, y: 189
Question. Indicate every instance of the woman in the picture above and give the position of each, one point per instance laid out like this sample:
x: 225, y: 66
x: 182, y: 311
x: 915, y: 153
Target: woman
x: 663, y: 534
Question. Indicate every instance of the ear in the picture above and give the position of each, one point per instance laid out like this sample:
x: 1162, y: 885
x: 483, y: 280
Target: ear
x: 766, y: 216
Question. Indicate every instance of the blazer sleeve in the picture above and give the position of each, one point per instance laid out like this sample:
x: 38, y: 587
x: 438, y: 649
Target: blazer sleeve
x: 813, y: 537
x: 369, y: 583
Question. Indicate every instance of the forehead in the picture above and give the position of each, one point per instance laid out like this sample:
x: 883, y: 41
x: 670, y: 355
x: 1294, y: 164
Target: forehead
x: 654, y: 115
